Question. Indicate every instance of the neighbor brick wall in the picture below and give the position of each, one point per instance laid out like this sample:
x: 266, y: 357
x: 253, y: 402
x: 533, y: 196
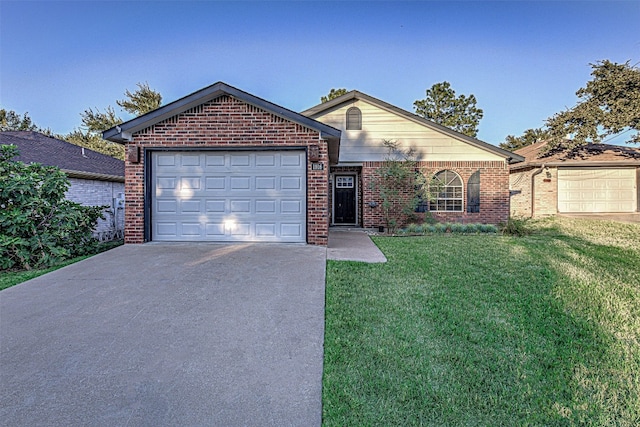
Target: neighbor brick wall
x: 520, y: 189
x: 91, y: 192
x: 494, y: 191
x: 546, y: 192
x: 228, y: 123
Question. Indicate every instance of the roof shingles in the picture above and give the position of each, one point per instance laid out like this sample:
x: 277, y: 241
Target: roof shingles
x: 588, y: 154
x: 35, y: 147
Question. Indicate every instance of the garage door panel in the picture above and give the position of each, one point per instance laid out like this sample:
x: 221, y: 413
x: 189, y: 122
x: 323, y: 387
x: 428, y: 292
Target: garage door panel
x: 240, y: 183
x: 291, y: 183
x: 167, y: 229
x: 215, y: 183
x: 190, y: 206
x: 190, y: 160
x: 290, y: 207
x: 240, y: 160
x: 265, y: 159
x: 266, y: 230
x: 291, y: 229
x: 214, y: 160
x: 240, y: 206
x: 266, y: 207
x: 214, y: 230
x: 597, y: 190
x: 290, y: 159
x: 166, y: 159
x: 228, y: 196
x: 215, y: 206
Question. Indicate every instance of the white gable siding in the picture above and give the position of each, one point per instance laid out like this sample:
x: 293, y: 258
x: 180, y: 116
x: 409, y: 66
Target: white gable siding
x: 379, y: 124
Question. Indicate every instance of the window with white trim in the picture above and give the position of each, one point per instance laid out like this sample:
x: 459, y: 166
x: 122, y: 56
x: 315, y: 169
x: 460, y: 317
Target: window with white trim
x: 446, y: 192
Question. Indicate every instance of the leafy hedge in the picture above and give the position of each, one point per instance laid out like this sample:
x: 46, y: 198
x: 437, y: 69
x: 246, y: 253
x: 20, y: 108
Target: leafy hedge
x: 417, y: 229
x: 38, y: 226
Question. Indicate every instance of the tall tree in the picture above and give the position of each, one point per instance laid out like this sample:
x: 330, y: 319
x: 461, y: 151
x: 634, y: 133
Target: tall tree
x: 334, y: 93
x: 443, y: 107
x: 530, y: 136
x: 608, y: 105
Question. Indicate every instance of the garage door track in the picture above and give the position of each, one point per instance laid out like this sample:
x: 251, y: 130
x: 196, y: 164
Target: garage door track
x: 168, y: 334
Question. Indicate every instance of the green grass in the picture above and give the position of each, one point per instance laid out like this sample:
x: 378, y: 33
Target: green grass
x: 12, y: 278
x: 488, y: 330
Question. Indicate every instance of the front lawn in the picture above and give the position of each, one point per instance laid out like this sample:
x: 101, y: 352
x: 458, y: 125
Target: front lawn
x: 488, y: 330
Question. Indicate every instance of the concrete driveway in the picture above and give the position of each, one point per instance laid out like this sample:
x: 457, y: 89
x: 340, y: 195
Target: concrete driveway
x: 171, y: 334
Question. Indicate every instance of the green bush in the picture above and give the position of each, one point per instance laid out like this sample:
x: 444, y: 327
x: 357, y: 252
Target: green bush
x: 38, y: 226
x: 515, y: 227
x: 451, y: 227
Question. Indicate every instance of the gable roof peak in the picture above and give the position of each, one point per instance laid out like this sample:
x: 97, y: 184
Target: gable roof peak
x: 355, y: 94
x: 124, y: 131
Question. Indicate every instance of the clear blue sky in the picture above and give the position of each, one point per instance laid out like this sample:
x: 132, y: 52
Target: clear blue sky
x: 523, y: 61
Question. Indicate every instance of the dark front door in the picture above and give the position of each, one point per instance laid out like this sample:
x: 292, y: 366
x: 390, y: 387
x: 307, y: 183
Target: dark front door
x: 344, y: 201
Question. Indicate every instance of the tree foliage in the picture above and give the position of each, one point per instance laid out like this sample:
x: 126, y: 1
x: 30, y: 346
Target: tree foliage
x: 530, y: 136
x: 38, y: 226
x: 12, y: 121
x: 399, y: 185
x: 334, y: 93
x: 97, y: 121
x: 138, y: 102
x: 609, y: 104
x: 141, y: 101
x: 443, y: 107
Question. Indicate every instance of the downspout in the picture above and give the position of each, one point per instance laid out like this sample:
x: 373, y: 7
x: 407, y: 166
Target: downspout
x: 533, y: 188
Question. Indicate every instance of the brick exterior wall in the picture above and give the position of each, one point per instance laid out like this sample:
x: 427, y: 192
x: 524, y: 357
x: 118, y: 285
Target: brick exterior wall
x: 546, y: 192
x: 494, y: 192
x: 90, y: 192
x: 228, y: 123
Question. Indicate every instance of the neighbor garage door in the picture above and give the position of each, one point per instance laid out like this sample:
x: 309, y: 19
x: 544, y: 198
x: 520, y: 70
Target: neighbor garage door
x: 229, y: 196
x: 597, y: 190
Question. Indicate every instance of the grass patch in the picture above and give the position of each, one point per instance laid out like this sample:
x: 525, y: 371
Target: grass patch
x: 12, y: 278
x: 488, y: 330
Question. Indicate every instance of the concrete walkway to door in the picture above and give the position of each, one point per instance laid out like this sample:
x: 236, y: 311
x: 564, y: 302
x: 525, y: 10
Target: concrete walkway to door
x: 353, y: 244
x: 168, y: 334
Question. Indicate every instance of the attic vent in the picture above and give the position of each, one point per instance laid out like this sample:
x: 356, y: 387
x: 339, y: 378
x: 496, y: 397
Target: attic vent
x: 277, y: 119
x: 302, y: 129
x: 198, y: 109
x: 253, y: 109
x: 171, y: 120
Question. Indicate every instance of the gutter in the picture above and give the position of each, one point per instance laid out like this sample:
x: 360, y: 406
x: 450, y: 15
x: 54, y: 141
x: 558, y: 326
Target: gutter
x: 92, y: 175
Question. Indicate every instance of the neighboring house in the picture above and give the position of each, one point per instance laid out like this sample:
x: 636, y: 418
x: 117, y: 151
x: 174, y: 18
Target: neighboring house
x: 223, y: 165
x: 474, y: 174
x: 596, y: 178
x: 96, y: 179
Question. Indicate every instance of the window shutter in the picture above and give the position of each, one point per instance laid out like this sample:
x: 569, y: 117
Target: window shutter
x: 473, y: 193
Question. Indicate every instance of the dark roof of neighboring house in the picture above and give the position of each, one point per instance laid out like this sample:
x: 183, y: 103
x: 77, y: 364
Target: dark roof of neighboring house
x: 587, y: 155
x: 354, y: 94
x: 75, y: 161
x: 123, y: 132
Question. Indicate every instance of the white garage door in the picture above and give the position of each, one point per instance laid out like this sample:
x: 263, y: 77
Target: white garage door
x: 229, y: 196
x: 597, y: 190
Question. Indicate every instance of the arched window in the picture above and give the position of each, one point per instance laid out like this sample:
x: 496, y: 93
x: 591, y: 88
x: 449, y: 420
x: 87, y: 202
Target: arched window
x: 446, y: 192
x: 354, y: 119
x: 473, y: 193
